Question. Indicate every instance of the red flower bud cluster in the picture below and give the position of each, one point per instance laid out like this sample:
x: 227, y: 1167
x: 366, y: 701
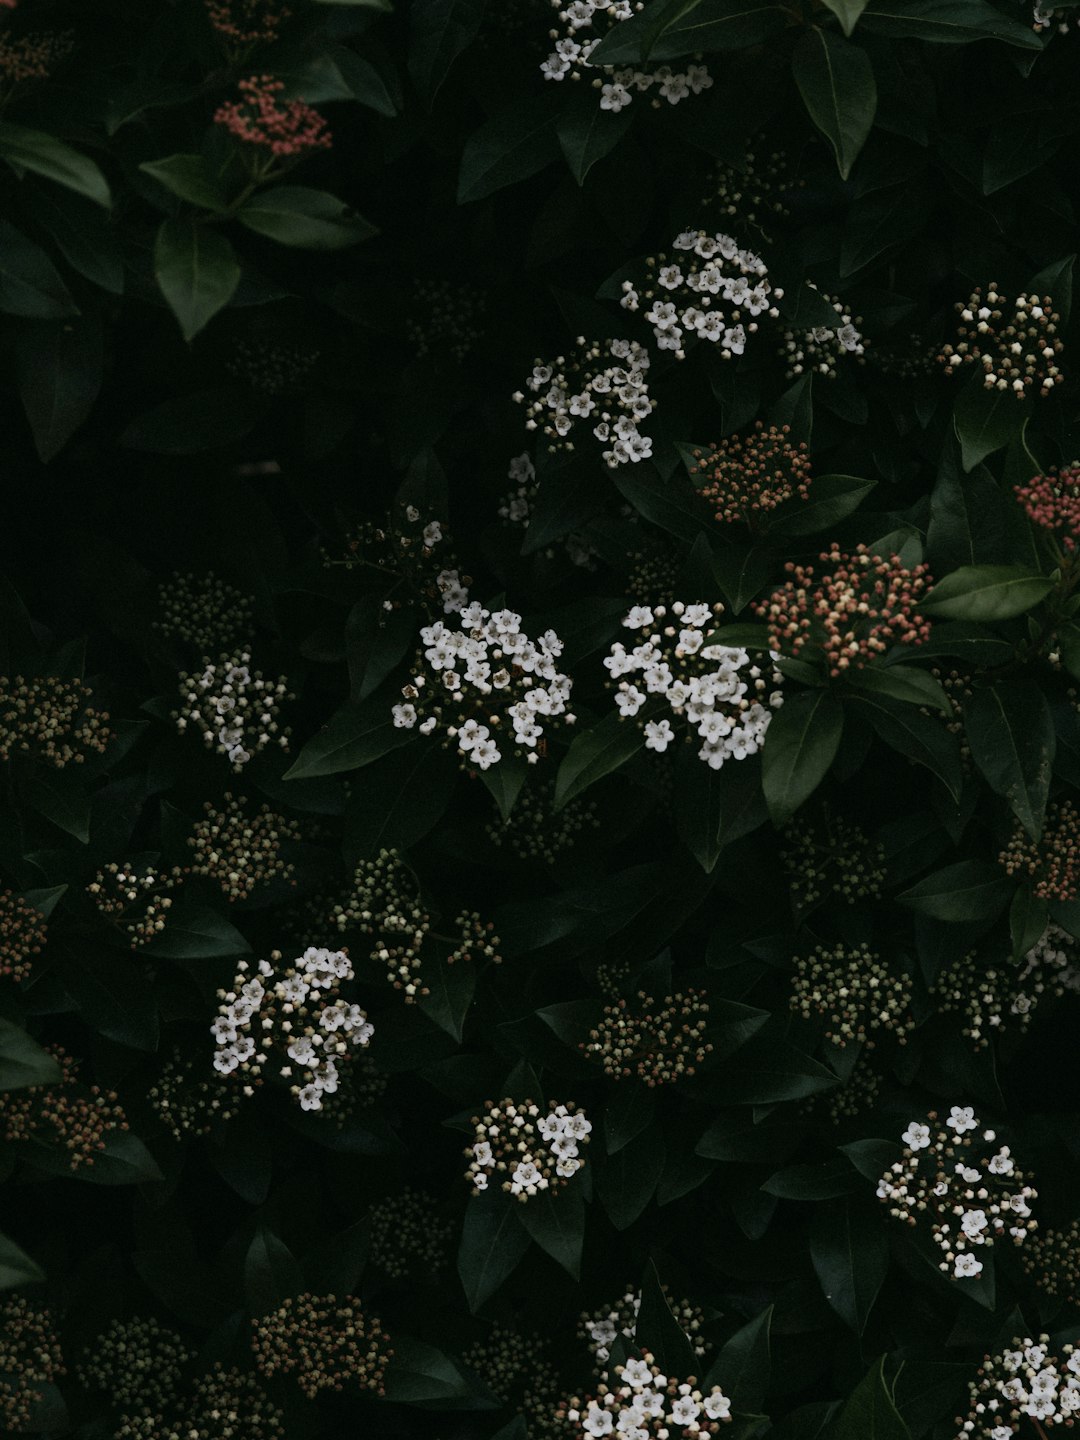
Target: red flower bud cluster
x: 288, y: 129
x: 853, y: 614
x: 1052, y: 502
x: 746, y: 477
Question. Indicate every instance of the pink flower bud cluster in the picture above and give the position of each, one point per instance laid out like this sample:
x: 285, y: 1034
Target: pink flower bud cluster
x: 852, y: 615
x: 1052, y: 502
x: 247, y: 22
x: 289, y: 129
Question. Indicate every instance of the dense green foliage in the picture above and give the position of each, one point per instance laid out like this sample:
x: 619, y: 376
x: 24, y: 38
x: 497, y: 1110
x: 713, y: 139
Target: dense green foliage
x: 272, y: 412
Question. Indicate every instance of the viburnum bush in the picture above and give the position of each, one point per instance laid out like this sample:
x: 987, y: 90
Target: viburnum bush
x: 539, y: 719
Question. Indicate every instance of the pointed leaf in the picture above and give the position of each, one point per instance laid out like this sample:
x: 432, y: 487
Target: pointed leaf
x: 197, y: 271
x: 849, y: 1249
x: 1011, y: 733
x: 836, y: 82
x: 800, y: 745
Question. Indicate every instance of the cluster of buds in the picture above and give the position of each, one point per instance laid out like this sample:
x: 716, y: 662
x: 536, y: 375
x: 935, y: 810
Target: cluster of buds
x: 968, y: 1204
x: 746, y: 477
x: 906, y: 357
x: 687, y: 296
x: 855, y: 992
x: 224, y: 1404
x: 271, y: 367
x: 1025, y: 1380
x: 1052, y: 1259
x: 241, y: 852
x: 444, y: 316
x: 612, y: 396
x: 139, y: 1364
x: 1015, y: 346
x: 832, y: 856
x: 416, y: 555
x: 601, y: 1328
x: 1045, y: 16
x: 385, y: 904
x: 486, y: 673
x: 517, y: 1369
x: 858, y: 1095
x: 33, y: 56
x: 287, y: 130
x: 533, y: 1151
x: 247, y: 22
x: 134, y: 898
x: 534, y: 831
x: 408, y: 1235
x: 295, y: 1016
x: 850, y: 615
x: 648, y: 1403
x: 752, y: 192
x: 653, y: 574
x: 656, y: 1044
x: 818, y: 351
x: 575, y: 43
x: 30, y: 1355
x: 1051, y: 864
x: 233, y: 708
x: 50, y: 719
x: 188, y: 1103
x: 991, y: 998
x: 70, y: 1115
x: 1052, y: 502
x: 23, y: 930
x: 203, y: 611
x: 324, y: 1343
x: 726, y: 700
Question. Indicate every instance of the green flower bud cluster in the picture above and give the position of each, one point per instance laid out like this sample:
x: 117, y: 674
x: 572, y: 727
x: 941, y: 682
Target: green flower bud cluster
x: 323, y: 1343
x: 50, y: 719
x: 134, y: 899
x: 385, y: 904
x: 856, y: 993
x: 658, y: 1044
x: 534, y: 831
x: 203, y: 611
x: 188, y: 1103
x: 224, y: 1404
x: 445, y: 316
x: 1052, y: 1259
x: 271, y: 367
x: 832, y: 856
x: 408, y: 1235
x: 241, y: 852
x: 30, y: 1356
x: 138, y: 1363
x: 518, y: 1370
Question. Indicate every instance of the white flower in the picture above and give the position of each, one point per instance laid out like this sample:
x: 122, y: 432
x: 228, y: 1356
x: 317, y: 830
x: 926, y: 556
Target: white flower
x: 614, y: 97
x: 432, y: 534
x: 658, y: 735
x: 961, y: 1119
x: 966, y: 1265
x: 636, y: 1373
x: 404, y: 716
x: 916, y: 1136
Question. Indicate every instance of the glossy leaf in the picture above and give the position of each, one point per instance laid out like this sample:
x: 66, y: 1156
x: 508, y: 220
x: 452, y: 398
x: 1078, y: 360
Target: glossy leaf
x: 836, y: 81
x: 800, y: 744
x: 197, y: 271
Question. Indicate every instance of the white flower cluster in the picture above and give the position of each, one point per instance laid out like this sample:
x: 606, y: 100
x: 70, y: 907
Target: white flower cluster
x: 296, y: 1016
x: 1025, y: 1380
x: 488, y: 671
x: 688, y: 296
x: 818, y: 349
x: 725, y: 698
x: 603, y: 1327
x: 648, y: 1403
x: 1043, y: 16
x: 613, y: 397
x: 533, y: 1152
x: 969, y: 1204
x: 991, y: 998
x: 233, y: 708
x: 573, y: 48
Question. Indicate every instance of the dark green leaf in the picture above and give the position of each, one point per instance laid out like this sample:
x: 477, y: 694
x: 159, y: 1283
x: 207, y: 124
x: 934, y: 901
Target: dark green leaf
x: 115, y: 998
x: 947, y: 22
x: 492, y: 1244
x: 922, y: 738
x: 630, y: 1111
x: 59, y: 371
x: 743, y: 1367
x: 197, y: 270
x: 1011, y: 733
x: 822, y: 1180
x: 557, y: 1224
x: 63, y: 801
x: 439, y: 31
x: 847, y: 12
x: 22, y: 1061
x: 987, y: 592
x: 29, y: 282
x: 125, y: 1160
x: 587, y: 133
x: 304, y: 219
x: 596, y: 752
x: 354, y: 736
x: 45, y: 155
x: 903, y: 683
x: 968, y: 890
x: 16, y: 1267
x: 669, y: 28
x: 83, y: 236
x: 627, y: 1180
x: 190, y: 178
x: 986, y: 420
x: 800, y: 745
x: 832, y: 499
x: 399, y: 799
x: 1028, y: 918
x: 452, y: 987
x: 658, y: 1331
x: 850, y: 1253
x: 419, y: 1374
x: 768, y: 1071
x: 836, y: 82
x: 869, y: 1413
x: 513, y: 145
x: 187, y: 424
x: 271, y: 1273
x: 715, y: 807
x: 195, y: 932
